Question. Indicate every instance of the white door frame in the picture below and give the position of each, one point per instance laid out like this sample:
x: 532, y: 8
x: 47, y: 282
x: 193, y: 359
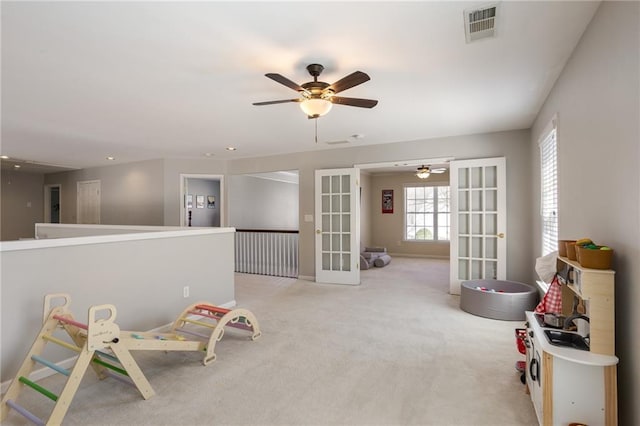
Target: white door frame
x: 47, y: 201
x: 484, y: 234
x: 183, y: 185
x: 325, y: 245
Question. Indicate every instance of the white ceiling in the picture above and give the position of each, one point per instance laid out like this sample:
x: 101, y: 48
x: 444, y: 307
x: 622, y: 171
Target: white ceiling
x: 147, y: 80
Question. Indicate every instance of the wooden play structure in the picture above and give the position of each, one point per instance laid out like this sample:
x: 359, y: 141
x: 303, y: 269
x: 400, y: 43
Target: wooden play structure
x: 101, y: 345
x: 202, y: 321
x: 90, y: 341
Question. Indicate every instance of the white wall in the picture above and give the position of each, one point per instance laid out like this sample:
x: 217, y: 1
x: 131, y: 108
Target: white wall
x: 59, y: 230
x: 147, y: 293
x: 259, y: 203
x: 597, y: 100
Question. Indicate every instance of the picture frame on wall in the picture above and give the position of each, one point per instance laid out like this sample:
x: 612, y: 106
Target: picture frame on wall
x: 200, y: 201
x: 188, y: 201
x: 211, y: 201
x: 387, y: 201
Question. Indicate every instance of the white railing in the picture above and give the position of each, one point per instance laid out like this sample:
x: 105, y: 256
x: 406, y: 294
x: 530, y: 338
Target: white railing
x: 266, y: 252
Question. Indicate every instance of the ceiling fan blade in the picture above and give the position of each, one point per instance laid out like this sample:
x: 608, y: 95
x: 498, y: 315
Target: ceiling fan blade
x: 438, y: 170
x: 276, y: 102
x: 349, y: 81
x: 356, y: 102
x: 285, y: 81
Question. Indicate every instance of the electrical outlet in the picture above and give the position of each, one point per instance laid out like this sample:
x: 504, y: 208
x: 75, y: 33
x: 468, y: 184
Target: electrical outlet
x: 185, y: 291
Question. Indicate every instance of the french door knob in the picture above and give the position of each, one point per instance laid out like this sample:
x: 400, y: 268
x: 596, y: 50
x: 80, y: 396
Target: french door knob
x: 500, y: 235
x: 318, y: 231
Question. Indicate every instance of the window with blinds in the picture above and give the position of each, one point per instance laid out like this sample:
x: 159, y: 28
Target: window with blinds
x: 549, y: 192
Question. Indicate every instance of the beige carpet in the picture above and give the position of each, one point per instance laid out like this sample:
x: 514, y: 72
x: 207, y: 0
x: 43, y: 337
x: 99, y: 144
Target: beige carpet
x: 396, y: 350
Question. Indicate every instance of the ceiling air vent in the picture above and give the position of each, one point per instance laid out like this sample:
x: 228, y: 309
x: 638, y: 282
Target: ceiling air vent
x: 480, y: 23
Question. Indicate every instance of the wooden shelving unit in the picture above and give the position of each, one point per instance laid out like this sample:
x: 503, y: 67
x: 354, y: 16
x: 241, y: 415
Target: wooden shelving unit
x: 596, y: 287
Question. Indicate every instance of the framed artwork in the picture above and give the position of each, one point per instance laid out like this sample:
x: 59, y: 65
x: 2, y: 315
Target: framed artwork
x: 211, y: 202
x: 200, y: 201
x: 387, y: 201
x: 188, y: 201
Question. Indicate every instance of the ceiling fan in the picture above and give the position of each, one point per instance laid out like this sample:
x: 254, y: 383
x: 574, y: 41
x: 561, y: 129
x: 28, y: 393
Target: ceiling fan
x: 317, y: 97
x: 424, y: 172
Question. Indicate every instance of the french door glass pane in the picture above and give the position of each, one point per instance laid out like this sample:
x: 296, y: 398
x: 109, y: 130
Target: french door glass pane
x: 463, y: 269
x: 346, y: 262
x: 476, y: 247
x: 491, y: 248
x: 491, y: 177
x: 476, y: 177
x: 463, y: 247
x: 476, y: 269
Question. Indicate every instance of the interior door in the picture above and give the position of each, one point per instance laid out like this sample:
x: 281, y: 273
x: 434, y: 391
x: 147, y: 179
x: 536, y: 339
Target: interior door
x: 337, y: 209
x: 88, y: 202
x: 478, y: 221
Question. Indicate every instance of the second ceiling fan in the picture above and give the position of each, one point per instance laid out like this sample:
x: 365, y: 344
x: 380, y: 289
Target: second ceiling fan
x: 424, y: 172
x: 317, y: 97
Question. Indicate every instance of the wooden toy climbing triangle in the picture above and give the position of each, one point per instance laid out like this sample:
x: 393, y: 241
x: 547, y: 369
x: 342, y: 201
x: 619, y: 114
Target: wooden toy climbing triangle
x: 90, y: 341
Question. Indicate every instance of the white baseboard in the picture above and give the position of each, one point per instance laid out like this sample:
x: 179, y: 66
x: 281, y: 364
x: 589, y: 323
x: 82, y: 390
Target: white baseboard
x: 68, y: 363
x: 421, y: 256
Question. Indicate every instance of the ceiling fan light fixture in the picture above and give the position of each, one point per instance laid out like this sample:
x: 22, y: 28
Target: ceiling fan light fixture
x: 423, y: 172
x: 315, y: 107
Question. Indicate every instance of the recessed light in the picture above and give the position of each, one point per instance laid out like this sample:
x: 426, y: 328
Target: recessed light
x: 16, y: 166
x: 208, y: 154
x: 230, y: 148
x: 4, y: 157
x: 110, y: 158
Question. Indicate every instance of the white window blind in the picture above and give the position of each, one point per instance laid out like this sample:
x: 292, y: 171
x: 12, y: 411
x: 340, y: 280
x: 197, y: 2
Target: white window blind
x: 549, y: 192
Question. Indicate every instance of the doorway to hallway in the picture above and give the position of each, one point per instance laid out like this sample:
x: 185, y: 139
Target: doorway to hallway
x: 52, y: 203
x: 202, y: 200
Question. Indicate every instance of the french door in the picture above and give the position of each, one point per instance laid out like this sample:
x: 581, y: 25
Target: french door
x: 478, y: 221
x: 337, y: 211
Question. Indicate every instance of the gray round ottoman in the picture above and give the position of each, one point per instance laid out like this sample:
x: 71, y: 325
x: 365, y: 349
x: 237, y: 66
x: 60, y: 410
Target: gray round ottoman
x: 503, y: 300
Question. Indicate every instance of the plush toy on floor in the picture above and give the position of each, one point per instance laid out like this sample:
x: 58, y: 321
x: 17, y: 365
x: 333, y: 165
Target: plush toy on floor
x: 376, y: 256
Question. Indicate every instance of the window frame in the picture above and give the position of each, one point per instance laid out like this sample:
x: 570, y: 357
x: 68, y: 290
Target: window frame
x: 434, y: 186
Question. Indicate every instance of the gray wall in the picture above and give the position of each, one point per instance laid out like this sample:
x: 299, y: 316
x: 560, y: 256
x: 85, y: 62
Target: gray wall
x: 366, y: 239
x: 205, y: 187
x: 22, y: 204
x: 259, y: 203
x: 131, y: 194
x: 597, y: 102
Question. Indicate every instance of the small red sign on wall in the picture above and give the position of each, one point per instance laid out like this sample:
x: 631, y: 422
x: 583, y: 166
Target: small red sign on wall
x: 387, y: 201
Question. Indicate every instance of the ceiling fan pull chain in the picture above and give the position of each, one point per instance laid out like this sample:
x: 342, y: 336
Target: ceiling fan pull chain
x: 316, y: 124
